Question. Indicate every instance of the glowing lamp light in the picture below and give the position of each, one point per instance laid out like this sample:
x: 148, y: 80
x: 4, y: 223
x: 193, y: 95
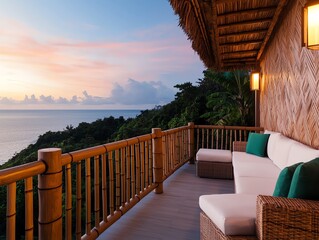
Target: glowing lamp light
x: 254, y: 81
x: 311, y: 25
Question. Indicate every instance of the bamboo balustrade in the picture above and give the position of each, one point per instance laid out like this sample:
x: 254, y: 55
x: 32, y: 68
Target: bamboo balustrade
x: 221, y: 137
x: 9, y: 177
x: 175, y: 149
x: 100, y: 184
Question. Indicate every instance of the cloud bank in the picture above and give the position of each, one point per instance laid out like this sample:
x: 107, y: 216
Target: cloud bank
x: 132, y: 92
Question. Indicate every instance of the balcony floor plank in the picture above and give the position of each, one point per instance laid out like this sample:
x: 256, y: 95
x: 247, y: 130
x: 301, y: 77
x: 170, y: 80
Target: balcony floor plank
x: 171, y: 215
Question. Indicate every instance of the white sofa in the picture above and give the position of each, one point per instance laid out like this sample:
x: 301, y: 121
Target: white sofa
x: 234, y: 215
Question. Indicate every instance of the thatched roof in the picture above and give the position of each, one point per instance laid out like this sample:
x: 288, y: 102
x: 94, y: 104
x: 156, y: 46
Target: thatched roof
x: 229, y: 34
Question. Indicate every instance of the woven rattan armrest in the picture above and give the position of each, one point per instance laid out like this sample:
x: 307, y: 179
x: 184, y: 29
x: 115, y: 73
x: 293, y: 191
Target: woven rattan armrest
x: 287, y: 218
x: 239, y: 146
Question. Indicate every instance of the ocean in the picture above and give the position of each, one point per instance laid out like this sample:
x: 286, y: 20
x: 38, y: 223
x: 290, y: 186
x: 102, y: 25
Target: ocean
x: 19, y: 128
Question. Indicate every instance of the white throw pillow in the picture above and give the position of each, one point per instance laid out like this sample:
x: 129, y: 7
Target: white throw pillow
x: 301, y: 153
x: 280, y: 153
x: 272, y: 145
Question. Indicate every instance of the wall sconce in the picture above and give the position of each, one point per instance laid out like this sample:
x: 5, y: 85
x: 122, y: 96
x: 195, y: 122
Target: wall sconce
x: 254, y: 81
x: 311, y: 25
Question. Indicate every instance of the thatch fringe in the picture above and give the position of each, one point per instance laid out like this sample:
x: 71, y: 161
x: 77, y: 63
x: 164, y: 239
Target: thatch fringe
x: 189, y: 21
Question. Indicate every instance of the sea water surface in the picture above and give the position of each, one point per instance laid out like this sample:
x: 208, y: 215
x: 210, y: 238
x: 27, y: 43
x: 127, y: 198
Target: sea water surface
x: 19, y: 128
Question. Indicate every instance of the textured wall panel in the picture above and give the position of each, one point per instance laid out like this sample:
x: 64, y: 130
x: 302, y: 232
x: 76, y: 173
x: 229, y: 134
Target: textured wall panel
x: 290, y: 84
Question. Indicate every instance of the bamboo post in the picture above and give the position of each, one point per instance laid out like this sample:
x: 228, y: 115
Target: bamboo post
x: 213, y: 133
x: 88, y: 195
x: 50, y: 195
x: 28, y: 191
x: 178, y: 149
x: 158, y: 160
x: 197, y: 139
x: 165, y: 155
x: 104, y: 187
x: 203, y: 137
x: 191, y: 142
x: 123, y: 183
x: 150, y: 160
x: 117, y: 180
x: 128, y: 174
x: 11, y: 210
x: 68, y: 202
x: 78, y: 226
x: 133, y: 169
x: 138, y: 188
x: 111, y: 182
x: 146, y: 165
x: 97, y: 190
x: 142, y: 153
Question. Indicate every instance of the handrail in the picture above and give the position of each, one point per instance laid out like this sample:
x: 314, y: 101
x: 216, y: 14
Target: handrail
x: 174, y: 130
x: 114, y: 175
x: 257, y: 129
x: 79, y: 155
x: 17, y: 173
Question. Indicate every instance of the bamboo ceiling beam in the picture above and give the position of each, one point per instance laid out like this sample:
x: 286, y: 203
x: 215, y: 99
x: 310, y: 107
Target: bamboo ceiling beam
x: 240, y: 34
x: 247, y: 11
x: 244, y: 59
x: 253, y: 62
x: 237, y: 24
x: 239, y: 58
x: 279, y: 9
x: 241, y: 43
x: 239, y: 64
x: 240, y: 52
x: 225, y: 1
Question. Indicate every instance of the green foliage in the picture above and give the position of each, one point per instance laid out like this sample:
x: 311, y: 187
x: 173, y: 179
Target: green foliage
x: 233, y: 103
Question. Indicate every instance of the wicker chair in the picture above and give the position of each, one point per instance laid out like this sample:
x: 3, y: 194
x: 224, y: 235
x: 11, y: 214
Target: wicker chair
x: 276, y: 218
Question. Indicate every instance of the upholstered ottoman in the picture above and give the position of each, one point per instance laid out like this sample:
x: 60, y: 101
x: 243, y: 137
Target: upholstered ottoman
x: 214, y: 163
x: 228, y: 216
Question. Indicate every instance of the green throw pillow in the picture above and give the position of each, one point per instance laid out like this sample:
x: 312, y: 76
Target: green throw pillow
x: 284, y: 181
x: 305, y: 181
x: 257, y: 144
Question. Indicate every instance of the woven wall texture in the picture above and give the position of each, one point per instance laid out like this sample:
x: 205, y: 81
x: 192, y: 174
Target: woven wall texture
x: 289, y: 94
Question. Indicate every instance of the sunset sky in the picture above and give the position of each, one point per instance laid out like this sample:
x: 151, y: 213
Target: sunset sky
x: 96, y: 54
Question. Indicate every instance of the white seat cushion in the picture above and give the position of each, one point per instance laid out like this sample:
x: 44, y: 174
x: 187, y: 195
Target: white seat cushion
x: 272, y: 144
x: 250, y: 165
x: 243, y: 157
x: 213, y: 155
x: 233, y: 214
x: 256, y: 169
x: 255, y: 185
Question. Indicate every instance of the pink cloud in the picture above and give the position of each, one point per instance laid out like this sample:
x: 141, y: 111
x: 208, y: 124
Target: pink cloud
x: 94, y: 65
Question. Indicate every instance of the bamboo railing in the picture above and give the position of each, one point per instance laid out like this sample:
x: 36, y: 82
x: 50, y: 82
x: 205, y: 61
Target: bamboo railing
x: 221, y: 137
x: 98, y: 185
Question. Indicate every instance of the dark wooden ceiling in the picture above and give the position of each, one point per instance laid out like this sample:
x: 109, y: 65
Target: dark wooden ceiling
x: 229, y: 34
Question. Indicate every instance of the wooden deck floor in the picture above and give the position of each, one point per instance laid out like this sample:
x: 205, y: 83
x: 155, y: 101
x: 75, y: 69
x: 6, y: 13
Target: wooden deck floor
x: 171, y: 215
